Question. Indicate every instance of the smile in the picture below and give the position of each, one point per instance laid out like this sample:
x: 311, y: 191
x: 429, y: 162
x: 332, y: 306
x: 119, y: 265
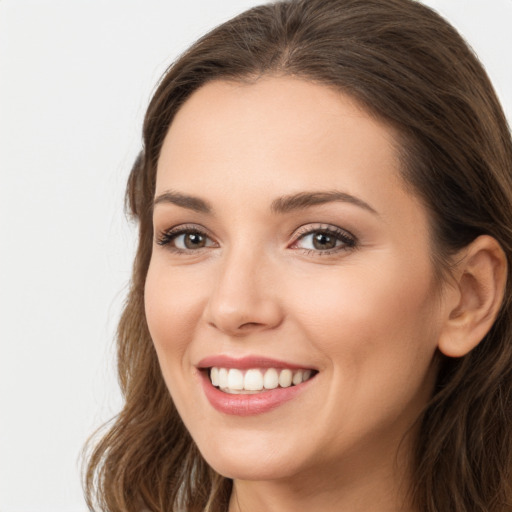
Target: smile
x: 256, y: 380
x: 252, y: 385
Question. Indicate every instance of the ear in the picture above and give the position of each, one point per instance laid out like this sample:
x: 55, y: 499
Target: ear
x: 473, y: 303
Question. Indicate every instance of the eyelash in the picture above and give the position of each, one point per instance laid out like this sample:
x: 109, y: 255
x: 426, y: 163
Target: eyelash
x: 166, y: 238
x: 349, y: 241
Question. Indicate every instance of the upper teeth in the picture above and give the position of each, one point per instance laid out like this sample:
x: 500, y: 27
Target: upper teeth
x: 233, y: 380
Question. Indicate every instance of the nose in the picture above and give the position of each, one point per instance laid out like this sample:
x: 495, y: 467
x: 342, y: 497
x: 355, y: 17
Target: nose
x: 244, y: 298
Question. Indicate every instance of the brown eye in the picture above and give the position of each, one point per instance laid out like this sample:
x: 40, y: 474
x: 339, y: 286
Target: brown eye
x: 185, y: 239
x: 192, y: 240
x: 324, y: 241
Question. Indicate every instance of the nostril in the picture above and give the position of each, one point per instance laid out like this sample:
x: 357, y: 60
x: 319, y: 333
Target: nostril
x: 249, y: 325
x: 238, y: 329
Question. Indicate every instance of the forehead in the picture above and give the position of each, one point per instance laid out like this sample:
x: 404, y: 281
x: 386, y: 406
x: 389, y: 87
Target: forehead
x: 241, y: 145
x: 274, y: 126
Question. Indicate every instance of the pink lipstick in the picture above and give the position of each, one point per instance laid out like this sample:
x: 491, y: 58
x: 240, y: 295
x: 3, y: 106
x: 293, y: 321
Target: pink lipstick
x: 251, y: 385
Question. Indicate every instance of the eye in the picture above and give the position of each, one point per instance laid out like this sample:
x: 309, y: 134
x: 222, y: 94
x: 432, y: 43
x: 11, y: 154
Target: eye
x: 324, y: 240
x: 185, y: 239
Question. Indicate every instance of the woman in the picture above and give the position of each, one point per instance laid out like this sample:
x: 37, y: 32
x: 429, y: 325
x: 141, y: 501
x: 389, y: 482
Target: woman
x: 319, y: 316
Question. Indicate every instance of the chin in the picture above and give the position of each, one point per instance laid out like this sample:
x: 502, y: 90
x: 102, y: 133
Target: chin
x: 248, y: 470
x: 250, y: 462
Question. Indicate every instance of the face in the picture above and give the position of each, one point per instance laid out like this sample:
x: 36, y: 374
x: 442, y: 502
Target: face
x: 288, y: 249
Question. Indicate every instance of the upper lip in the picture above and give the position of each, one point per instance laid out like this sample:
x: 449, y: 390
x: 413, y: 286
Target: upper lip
x: 247, y: 362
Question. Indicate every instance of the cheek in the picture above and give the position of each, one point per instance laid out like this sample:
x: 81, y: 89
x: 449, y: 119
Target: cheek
x: 377, y: 319
x: 378, y: 336
x: 173, y: 307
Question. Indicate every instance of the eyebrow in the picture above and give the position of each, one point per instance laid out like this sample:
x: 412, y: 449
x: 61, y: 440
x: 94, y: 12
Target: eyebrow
x: 281, y: 205
x: 304, y: 200
x: 185, y: 201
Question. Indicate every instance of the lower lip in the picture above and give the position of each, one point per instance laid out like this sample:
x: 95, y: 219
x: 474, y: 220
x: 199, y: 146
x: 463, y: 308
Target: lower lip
x: 249, y: 405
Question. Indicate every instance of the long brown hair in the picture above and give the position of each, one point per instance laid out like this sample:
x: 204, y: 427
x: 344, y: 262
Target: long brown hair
x: 407, y: 66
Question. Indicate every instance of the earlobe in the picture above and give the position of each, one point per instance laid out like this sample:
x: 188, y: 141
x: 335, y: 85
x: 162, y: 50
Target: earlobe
x: 480, y: 278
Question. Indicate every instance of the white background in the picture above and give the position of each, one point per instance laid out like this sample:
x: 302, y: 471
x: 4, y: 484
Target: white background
x: 75, y: 78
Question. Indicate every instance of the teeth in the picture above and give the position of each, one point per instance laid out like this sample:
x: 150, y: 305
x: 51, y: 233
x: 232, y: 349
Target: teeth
x: 223, y: 378
x: 253, y: 380
x: 297, y: 378
x: 271, y: 379
x: 214, y: 376
x: 237, y: 381
x: 285, y: 378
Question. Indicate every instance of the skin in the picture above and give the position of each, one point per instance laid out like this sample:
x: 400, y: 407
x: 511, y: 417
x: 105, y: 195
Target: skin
x: 368, y: 317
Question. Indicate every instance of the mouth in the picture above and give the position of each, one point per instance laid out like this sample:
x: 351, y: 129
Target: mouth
x: 240, y: 381
x: 252, y: 385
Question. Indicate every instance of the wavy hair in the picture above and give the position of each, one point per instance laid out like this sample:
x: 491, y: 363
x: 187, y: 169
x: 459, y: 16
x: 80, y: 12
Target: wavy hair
x: 410, y: 68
